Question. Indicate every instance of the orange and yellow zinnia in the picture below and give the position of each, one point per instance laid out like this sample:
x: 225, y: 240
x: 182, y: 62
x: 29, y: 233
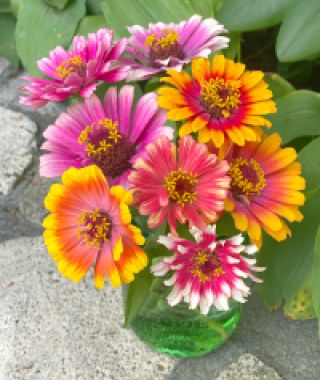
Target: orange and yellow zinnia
x: 220, y: 101
x: 90, y: 224
x: 265, y: 188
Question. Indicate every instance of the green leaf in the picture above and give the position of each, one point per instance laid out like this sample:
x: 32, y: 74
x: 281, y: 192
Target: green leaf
x: 298, y: 115
x: 90, y: 24
x: 60, y: 4
x: 120, y: 14
x: 5, y: 6
x: 138, y: 290
x: 299, y: 33
x: 15, y: 6
x: 53, y: 27
x: 278, y: 85
x: 94, y: 7
x: 206, y: 8
x: 247, y: 15
x: 299, y: 305
x: 316, y: 278
x: 289, y: 263
x: 7, y: 42
x: 234, y: 46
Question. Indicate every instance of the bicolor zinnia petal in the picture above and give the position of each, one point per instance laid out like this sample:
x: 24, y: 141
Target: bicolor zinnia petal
x: 220, y: 101
x: 88, y: 226
x: 161, y: 46
x: 180, y: 184
x: 112, y: 135
x: 207, y: 272
x: 78, y: 70
x: 265, y: 188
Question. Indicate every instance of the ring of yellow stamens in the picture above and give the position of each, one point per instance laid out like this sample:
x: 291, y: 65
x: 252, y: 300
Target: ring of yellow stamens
x: 181, y: 186
x: 72, y: 64
x: 247, y: 176
x: 206, y: 266
x: 220, y: 97
x: 169, y: 37
x: 96, y: 227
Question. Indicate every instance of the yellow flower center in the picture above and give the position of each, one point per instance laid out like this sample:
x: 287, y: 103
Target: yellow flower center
x: 206, y: 266
x: 220, y: 97
x: 96, y: 227
x: 106, y: 147
x: 247, y: 176
x: 71, y: 65
x: 164, y: 46
x: 181, y: 186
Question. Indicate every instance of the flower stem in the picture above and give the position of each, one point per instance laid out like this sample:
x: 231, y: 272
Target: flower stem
x: 214, y: 326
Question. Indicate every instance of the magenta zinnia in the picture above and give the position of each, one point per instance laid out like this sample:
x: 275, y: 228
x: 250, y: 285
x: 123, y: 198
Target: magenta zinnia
x: 110, y: 135
x: 185, y: 184
x: 78, y: 70
x: 172, y: 45
x: 207, y: 272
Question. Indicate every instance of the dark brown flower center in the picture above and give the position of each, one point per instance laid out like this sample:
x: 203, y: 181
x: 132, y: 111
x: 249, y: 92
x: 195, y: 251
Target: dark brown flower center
x: 181, y: 186
x: 107, y: 148
x: 206, y: 266
x: 164, y: 46
x: 96, y: 227
x: 219, y: 97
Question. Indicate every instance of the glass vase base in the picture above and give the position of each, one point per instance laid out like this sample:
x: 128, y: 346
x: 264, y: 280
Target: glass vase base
x: 186, y: 338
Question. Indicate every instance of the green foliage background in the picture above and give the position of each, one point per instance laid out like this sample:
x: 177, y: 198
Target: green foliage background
x: 280, y: 37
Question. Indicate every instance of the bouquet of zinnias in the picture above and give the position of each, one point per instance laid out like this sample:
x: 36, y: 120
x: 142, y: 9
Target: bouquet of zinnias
x: 137, y: 195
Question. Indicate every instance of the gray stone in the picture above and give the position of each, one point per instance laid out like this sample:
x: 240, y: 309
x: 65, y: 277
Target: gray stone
x: 31, y: 203
x: 17, y: 146
x: 53, y: 329
x: 248, y: 367
x: 6, y: 69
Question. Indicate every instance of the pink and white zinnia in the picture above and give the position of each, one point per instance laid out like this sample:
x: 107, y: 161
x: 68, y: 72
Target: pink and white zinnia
x: 163, y: 46
x: 207, y: 272
x: 76, y: 71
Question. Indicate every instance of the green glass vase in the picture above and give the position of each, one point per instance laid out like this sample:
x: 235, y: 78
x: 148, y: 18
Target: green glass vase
x: 179, y: 331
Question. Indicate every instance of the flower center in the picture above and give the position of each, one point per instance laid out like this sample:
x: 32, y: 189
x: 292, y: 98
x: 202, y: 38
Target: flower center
x: 219, y: 97
x: 71, y: 65
x: 247, y: 177
x: 96, y: 227
x: 181, y: 186
x: 206, y: 266
x: 107, y: 148
x: 164, y: 46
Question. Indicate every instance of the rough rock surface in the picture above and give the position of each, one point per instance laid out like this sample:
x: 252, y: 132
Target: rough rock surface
x: 17, y: 146
x: 54, y: 330
x: 248, y: 367
x: 31, y: 204
x: 6, y: 69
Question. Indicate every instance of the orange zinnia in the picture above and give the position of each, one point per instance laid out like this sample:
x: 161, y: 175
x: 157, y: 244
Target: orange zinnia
x: 222, y: 101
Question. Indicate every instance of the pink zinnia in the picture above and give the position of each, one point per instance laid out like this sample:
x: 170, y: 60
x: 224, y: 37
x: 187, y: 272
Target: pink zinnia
x: 163, y: 46
x: 76, y: 71
x: 207, y: 272
x: 188, y: 184
x: 110, y: 135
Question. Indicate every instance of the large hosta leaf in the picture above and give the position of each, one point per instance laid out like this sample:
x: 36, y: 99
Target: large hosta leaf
x: 7, y: 42
x: 290, y: 263
x: 278, y: 85
x: 246, y: 15
x: 316, y: 278
x: 60, y: 4
x: 298, y: 115
x: 41, y: 27
x: 120, y: 14
x: 90, y: 24
x: 299, y: 34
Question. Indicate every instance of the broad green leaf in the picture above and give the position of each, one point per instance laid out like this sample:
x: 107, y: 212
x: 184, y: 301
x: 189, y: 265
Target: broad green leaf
x: 206, y: 8
x: 247, y: 15
x: 138, y: 290
x: 299, y: 305
x: 298, y: 115
x: 278, y: 85
x: 60, y: 4
x: 40, y: 28
x: 90, y: 24
x: 299, y: 33
x: 15, y: 6
x: 120, y: 14
x: 5, y: 6
x: 94, y: 7
x: 289, y: 263
x: 234, y: 46
x: 7, y: 42
x: 316, y: 278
